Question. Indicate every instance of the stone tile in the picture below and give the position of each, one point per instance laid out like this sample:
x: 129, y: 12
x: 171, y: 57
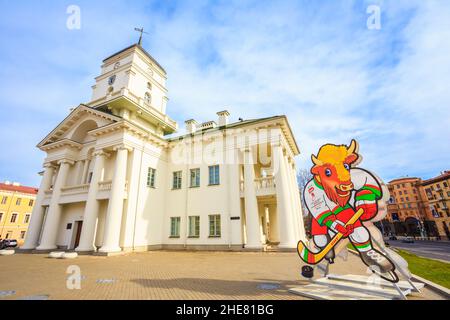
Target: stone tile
x: 167, y: 275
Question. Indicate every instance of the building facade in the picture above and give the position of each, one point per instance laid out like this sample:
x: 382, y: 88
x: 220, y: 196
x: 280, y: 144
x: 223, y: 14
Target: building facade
x: 437, y: 191
x: 419, y: 208
x: 117, y: 178
x: 16, y: 205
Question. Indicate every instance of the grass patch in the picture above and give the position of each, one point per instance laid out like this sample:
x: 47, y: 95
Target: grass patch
x: 433, y: 270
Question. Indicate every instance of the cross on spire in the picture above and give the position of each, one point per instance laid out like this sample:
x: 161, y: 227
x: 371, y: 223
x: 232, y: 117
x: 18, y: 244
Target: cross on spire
x: 141, y: 30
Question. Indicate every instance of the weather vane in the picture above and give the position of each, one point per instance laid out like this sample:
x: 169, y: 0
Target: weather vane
x: 141, y: 30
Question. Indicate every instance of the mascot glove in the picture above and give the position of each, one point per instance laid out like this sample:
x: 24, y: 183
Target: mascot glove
x: 339, y: 226
x: 370, y: 209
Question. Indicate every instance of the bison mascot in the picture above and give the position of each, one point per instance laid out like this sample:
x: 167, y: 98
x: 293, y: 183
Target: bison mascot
x: 340, y: 197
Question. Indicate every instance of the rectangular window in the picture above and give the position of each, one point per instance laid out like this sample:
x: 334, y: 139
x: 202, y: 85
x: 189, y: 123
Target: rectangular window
x: 8, y: 235
x: 1, y: 216
x: 176, y: 184
x: 30, y: 203
x: 214, y: 225
x: 27, y: 218
x: 194, y: 227
x: 4, y: 199
x: 214, y: 175
x: 151, y: 174
x: 175, y: 227
x: 195, y: 178
x: 90, y: 177
x: 13, y: 217
x: 18, y: 201
x: 22, y: 234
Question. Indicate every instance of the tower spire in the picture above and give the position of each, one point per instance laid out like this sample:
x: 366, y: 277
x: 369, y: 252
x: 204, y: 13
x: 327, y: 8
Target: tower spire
x: 141, y: 31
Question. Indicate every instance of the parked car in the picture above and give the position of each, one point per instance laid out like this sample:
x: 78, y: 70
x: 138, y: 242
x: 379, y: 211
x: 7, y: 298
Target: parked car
x: 392, y: 237
x: 8, y: 243
x: 408, y: 240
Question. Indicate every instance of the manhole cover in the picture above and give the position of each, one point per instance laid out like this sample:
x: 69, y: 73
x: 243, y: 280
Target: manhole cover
x: 7, y: 293
x: 106, y: 280
x: 269, y: 286
x: 37, y: 297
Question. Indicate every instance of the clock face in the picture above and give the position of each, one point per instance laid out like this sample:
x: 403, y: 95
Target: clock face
x: 111, y: 80
x: 117, y: 65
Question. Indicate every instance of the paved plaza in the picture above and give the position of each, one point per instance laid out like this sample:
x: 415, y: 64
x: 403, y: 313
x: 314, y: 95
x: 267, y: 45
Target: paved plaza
x: 165, y: 275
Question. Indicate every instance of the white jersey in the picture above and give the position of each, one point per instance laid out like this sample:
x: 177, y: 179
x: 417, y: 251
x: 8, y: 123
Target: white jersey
x: 320, y: 206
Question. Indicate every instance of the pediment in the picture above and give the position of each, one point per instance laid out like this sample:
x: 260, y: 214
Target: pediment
x: 77, y: 124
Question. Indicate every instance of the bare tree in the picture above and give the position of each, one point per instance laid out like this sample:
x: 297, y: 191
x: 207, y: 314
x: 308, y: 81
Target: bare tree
x: 303, y: 177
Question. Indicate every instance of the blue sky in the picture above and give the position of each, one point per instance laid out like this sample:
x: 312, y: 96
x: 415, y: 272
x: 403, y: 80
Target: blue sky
x: 315, y: 61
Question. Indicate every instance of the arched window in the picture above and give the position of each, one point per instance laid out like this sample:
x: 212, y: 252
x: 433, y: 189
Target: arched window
x: 148, y: 98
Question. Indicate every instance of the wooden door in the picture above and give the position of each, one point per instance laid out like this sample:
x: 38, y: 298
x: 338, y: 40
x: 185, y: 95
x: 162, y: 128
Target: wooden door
x: 78, y: 235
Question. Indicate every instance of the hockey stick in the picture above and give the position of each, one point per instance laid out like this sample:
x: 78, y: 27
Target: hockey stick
x: 314, y: 258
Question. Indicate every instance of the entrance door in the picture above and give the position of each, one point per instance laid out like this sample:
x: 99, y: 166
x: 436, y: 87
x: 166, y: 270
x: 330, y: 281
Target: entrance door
x: 78, y: 234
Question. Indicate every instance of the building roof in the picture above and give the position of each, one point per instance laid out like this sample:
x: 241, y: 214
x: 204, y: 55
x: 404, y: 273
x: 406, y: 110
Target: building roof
x: 228, y: 126
x: 443, y: 176
x: 404, y: 179
x: 14, y: 188
x: 236, y: 125
x: 143, y: 50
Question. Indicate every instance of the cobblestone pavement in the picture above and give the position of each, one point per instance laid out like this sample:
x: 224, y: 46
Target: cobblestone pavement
x: 164, y: 275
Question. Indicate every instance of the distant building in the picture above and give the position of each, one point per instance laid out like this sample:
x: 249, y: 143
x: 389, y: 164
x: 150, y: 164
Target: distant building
x: 16, y: 206
x: 437, y: 192
x: 419, y: 208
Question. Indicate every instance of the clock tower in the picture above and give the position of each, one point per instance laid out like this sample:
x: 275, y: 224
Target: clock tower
x: 132, y: 84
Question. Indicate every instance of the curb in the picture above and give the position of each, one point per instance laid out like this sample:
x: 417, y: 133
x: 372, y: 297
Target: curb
x: 430, y: 284
x: 433, y: 286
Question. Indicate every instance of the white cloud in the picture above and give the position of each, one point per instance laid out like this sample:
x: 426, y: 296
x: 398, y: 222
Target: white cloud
x: 316, y: 63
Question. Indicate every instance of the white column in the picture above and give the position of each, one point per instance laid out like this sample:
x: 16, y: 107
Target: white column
x: 251, y: 203
x: 48, y: 240
x: 92, y: 206
x: 284, y: 211
x: 78, y: 171
x: 234, y: 194
x: 85, y: 171
x: 274, y: 229
x: 37, y: 216
x: 115, y: 205
x: 293, y: 194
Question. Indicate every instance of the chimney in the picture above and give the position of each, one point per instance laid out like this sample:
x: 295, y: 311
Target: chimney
x: 223, y: 118
x: 191, y: 126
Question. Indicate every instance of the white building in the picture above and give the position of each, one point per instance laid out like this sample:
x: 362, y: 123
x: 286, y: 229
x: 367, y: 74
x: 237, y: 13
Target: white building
x: 114, y: 181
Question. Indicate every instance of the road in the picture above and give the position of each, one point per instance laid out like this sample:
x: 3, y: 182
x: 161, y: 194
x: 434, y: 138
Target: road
x: 428, y: 249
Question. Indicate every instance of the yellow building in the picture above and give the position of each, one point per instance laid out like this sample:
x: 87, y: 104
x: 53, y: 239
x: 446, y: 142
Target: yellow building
x: 16, y: 205
x: 437, y: 191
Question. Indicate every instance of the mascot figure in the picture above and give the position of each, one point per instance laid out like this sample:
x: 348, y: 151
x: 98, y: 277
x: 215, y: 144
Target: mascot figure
x: 340, y: 197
